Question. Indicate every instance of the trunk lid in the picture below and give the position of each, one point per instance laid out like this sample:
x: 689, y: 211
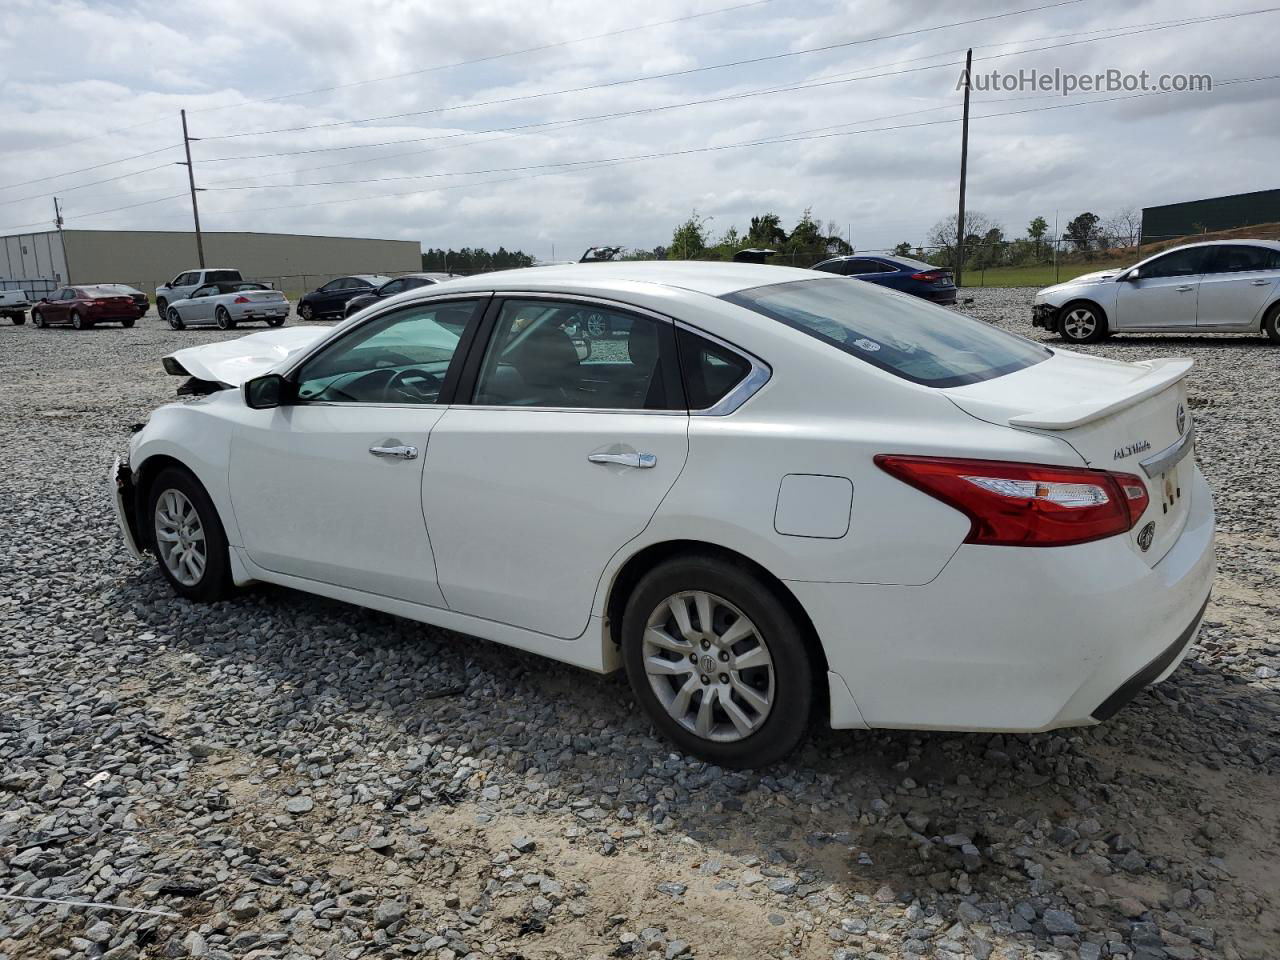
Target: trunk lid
x: 259, y: 295
x: 1116, y: 416
x: 232, y: 362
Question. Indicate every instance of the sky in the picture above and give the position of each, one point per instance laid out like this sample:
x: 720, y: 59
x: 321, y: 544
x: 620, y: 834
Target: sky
x: 869, y: 142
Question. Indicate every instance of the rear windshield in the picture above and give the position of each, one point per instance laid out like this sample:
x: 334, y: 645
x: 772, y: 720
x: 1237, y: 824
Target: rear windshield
x: 108, y: 290
x: 213, y: 276
x: 239, y: 287
x: 907, y: 337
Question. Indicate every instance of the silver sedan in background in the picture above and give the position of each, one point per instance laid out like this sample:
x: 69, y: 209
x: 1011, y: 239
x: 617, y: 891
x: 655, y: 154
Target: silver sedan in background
x: 229, y: 303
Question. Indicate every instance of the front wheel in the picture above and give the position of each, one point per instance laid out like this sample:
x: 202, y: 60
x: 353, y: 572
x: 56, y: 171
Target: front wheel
x: 37, y: 318
x: 717, y: 662
x: 1271, y: 323
x: 1081, y: 323
x: 223, y: 319
x: 175, y: 321
x: 187, y: 537
x: 162, y: 307
x: 306, y: 312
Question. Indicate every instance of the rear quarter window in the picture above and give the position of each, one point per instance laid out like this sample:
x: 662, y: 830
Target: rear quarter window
x: 906, y: 337
x: 214, y: 276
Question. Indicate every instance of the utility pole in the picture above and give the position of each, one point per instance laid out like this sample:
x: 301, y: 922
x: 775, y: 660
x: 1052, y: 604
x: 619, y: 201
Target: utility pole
x: 191, y: 179
x: 57, y: 222
x: 964, y: 166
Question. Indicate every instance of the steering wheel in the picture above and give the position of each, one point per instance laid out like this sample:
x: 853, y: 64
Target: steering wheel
x: 409, y: 383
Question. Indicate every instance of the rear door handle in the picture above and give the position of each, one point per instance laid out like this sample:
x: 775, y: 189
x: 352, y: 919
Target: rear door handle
x: 641, y: 461
x: 1185, y: 287
x: 401, y: 451
x: 1260, y: 282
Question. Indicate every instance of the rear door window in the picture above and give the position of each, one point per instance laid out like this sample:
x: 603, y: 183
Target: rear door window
x: 1239, y: 258
x: 902, y: 335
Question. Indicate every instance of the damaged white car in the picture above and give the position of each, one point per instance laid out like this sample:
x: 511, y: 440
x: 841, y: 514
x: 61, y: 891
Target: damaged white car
x: 770, y: 494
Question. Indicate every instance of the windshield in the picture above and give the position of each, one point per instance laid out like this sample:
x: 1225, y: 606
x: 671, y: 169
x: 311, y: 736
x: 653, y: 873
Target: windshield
x: 905, y: 336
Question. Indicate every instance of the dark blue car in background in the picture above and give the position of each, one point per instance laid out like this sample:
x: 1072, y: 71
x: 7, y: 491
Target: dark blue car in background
x: 901, y: 273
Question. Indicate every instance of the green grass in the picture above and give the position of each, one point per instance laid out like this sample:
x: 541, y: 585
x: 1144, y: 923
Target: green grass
x: 1035, y: 275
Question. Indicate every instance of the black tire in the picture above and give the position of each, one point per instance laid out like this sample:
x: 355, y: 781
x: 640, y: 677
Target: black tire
x: 1082, y: 322
x: 275, y: 321
x: 162, y: 307
x: 37, y: 318
x: 1271, y: 323
x: 78, y: 321
x: 175, y: 320
x: 306, y: 312
x: 783, y: 725
x: 18, y: 320
x: 223, y: 319
x: 127, y: 322
x: 214, y: 582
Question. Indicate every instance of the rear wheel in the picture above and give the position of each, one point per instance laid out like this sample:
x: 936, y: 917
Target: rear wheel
x: 1081, y: 323
x: 187, y: 537
x: 18, y: 319
x: 223, y: 319
x: 78, y: 321
x: 717, y: 662
x: 1271, y: 323
x: 175, y: 321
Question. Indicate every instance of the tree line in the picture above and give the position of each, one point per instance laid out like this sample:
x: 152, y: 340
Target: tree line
x: 986, y: 244
x: 473, y: 260
x: 808, y: 242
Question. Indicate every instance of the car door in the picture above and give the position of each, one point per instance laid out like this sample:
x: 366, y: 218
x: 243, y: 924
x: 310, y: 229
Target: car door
x: 1238, y: 281
x: 200, y: 305
x: 1161, y: 293
x: 328, y: 487
x: 332, y: 295
x: 55, y: 311
x: 553, y: 461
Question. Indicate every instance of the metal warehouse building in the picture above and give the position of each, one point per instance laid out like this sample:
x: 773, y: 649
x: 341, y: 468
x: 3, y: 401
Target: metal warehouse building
x: 1215, y: 213
x: 147, y: 258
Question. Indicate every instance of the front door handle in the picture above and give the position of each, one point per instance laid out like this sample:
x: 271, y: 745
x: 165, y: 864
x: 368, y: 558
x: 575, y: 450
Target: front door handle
x: 641, y: 461
x: 1184, y: 287
x: 1260, y: 282
x: 401, y: 451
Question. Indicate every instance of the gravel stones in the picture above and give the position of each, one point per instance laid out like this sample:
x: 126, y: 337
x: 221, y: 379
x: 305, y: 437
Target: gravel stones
x: 296, y: 778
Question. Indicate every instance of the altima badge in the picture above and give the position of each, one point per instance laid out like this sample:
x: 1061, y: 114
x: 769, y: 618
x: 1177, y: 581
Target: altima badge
x: 1146, y: 535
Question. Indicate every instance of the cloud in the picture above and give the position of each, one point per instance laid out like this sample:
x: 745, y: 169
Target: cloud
x: 138, y: 62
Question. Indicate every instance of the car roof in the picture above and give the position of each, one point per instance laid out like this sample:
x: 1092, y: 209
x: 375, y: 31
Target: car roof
x: 364, y: 276
x: 1242, y: 242
x: 712, y: 278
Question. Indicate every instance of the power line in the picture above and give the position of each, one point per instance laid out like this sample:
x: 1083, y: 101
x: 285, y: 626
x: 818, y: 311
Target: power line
x: 496, y: 56
x: 794, y: 137
x: 98, y: 213
x: 356, y: 83
x: 96, y: 166
x: 653, y: 76
x: 91, y: 183
x: 787, y: 89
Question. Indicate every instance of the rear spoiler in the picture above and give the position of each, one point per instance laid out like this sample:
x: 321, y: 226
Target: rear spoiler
x: 1162, y: 375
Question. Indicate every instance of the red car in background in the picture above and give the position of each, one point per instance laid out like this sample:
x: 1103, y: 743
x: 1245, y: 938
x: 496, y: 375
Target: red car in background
x: 83, y: 307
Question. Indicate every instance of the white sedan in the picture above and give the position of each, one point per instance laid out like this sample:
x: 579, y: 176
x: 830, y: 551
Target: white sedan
x: 1228, y: 286
x: 229, y: 303
x: 772, y: 494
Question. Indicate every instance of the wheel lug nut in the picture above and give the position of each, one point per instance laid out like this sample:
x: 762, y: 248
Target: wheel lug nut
x: 706, y: 645
x: 693, y: 658
x: 724, y: 656
x: 724, y: 678
x: 705, y: 678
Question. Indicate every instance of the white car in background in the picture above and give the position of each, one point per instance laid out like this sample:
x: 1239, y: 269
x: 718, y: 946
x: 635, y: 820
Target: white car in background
x: 227, y: 304
x: 187, y: 282
x: 775, y: 491
x: 1229, y: 286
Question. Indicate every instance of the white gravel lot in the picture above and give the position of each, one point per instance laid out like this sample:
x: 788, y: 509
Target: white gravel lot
x: 282, y: 776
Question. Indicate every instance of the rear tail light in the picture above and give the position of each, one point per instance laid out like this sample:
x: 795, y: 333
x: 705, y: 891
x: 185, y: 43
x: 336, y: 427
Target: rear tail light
x: 240, y: 299
x: 928, y: 276
x: 1026, y: 504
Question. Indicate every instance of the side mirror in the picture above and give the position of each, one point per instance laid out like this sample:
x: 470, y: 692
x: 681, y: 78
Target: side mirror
x: 1132, y: 275
x: 583, y: 347
x: 267, y: 391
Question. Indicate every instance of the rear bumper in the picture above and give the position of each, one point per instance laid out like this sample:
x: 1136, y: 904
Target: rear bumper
x: 1016, y: 639
x: 943, y: 297
x: 1044, y: 315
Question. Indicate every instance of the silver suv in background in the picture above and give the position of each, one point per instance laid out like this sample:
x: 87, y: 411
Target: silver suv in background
x: 186, y: 283
x: 1225, y: 286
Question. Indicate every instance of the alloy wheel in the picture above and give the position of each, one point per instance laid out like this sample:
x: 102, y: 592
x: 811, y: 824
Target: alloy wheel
x: 180, y: 537
x: 1079, y: 323
x: 709, y: 666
